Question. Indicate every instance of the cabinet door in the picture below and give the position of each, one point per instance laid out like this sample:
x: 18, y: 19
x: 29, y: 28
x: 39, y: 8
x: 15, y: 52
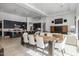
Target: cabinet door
x: 64, y: 28
x: 52, y: 29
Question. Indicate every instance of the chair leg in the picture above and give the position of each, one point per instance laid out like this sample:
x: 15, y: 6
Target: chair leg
x: 63, y: 51
x: 43, y: 52
x: 27, y: 45
x: 33, y: 47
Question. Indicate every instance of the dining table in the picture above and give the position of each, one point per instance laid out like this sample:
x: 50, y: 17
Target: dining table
x: 51, y: 41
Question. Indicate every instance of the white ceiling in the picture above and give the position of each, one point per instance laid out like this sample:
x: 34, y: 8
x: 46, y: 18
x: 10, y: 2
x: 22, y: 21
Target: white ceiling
x: 53, y: 8
x: 37, y: 9
x: 18, y: 10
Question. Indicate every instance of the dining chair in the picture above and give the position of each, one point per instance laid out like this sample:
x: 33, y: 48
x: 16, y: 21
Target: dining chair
x: 40, y: 43
x: 72, y: 40
x: 61, y: 45
x: 31, y: 40
x: 42, y: 34
x: 25, y: 38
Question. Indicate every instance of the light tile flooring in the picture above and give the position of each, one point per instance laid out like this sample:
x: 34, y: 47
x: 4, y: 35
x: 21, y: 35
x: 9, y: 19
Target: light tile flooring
x: 13, y: 47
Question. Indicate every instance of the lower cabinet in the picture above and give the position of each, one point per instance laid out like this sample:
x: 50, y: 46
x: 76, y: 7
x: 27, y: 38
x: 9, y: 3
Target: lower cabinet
x: 59, y: 29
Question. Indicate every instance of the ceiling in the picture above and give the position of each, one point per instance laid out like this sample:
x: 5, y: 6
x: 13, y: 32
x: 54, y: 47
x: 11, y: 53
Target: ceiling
x: 53, y: 8
x: 37, y: 9
x: 18, y: 9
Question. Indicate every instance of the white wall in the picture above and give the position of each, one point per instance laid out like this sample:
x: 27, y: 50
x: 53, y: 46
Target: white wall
x: 7, y: 16
x: 49, y: 19
x: 69, y: 17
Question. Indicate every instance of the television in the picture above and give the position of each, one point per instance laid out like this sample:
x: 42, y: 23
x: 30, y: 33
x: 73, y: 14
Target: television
x: 59, y: 21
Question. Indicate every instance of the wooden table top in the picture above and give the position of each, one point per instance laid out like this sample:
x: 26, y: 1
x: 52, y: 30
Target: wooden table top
x: 50, y: 38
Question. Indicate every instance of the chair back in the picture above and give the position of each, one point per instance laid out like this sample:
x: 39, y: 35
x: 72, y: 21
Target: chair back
x: 64, y: 42
x: 31, y: 39
x: 25, y: 37
x: 72, y: 39
x: 39, y: 42
x: 42, y: 34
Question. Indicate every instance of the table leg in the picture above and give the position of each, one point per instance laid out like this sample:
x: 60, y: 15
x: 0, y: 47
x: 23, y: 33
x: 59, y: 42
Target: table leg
x: 51, y: 48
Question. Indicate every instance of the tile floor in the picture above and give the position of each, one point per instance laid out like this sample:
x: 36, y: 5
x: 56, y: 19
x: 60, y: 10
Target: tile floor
x: 13, y: 47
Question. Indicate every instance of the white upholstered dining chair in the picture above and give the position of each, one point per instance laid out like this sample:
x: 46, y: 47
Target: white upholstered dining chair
x: 72, y: 39
x: 25, y: 37
x: 40, y: 43
x: 31, y: 40
x: 61, y: 45
x: 42, y: 34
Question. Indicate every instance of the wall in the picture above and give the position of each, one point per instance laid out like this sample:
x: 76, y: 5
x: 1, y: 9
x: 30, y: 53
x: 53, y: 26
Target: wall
x: 7, y: 16
x: 69, y: 17
x: 35, y: 20
x: 49, y: 19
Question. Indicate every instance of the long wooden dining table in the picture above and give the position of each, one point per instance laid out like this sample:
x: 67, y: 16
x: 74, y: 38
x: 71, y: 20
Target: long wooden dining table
x: 51, y: 41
